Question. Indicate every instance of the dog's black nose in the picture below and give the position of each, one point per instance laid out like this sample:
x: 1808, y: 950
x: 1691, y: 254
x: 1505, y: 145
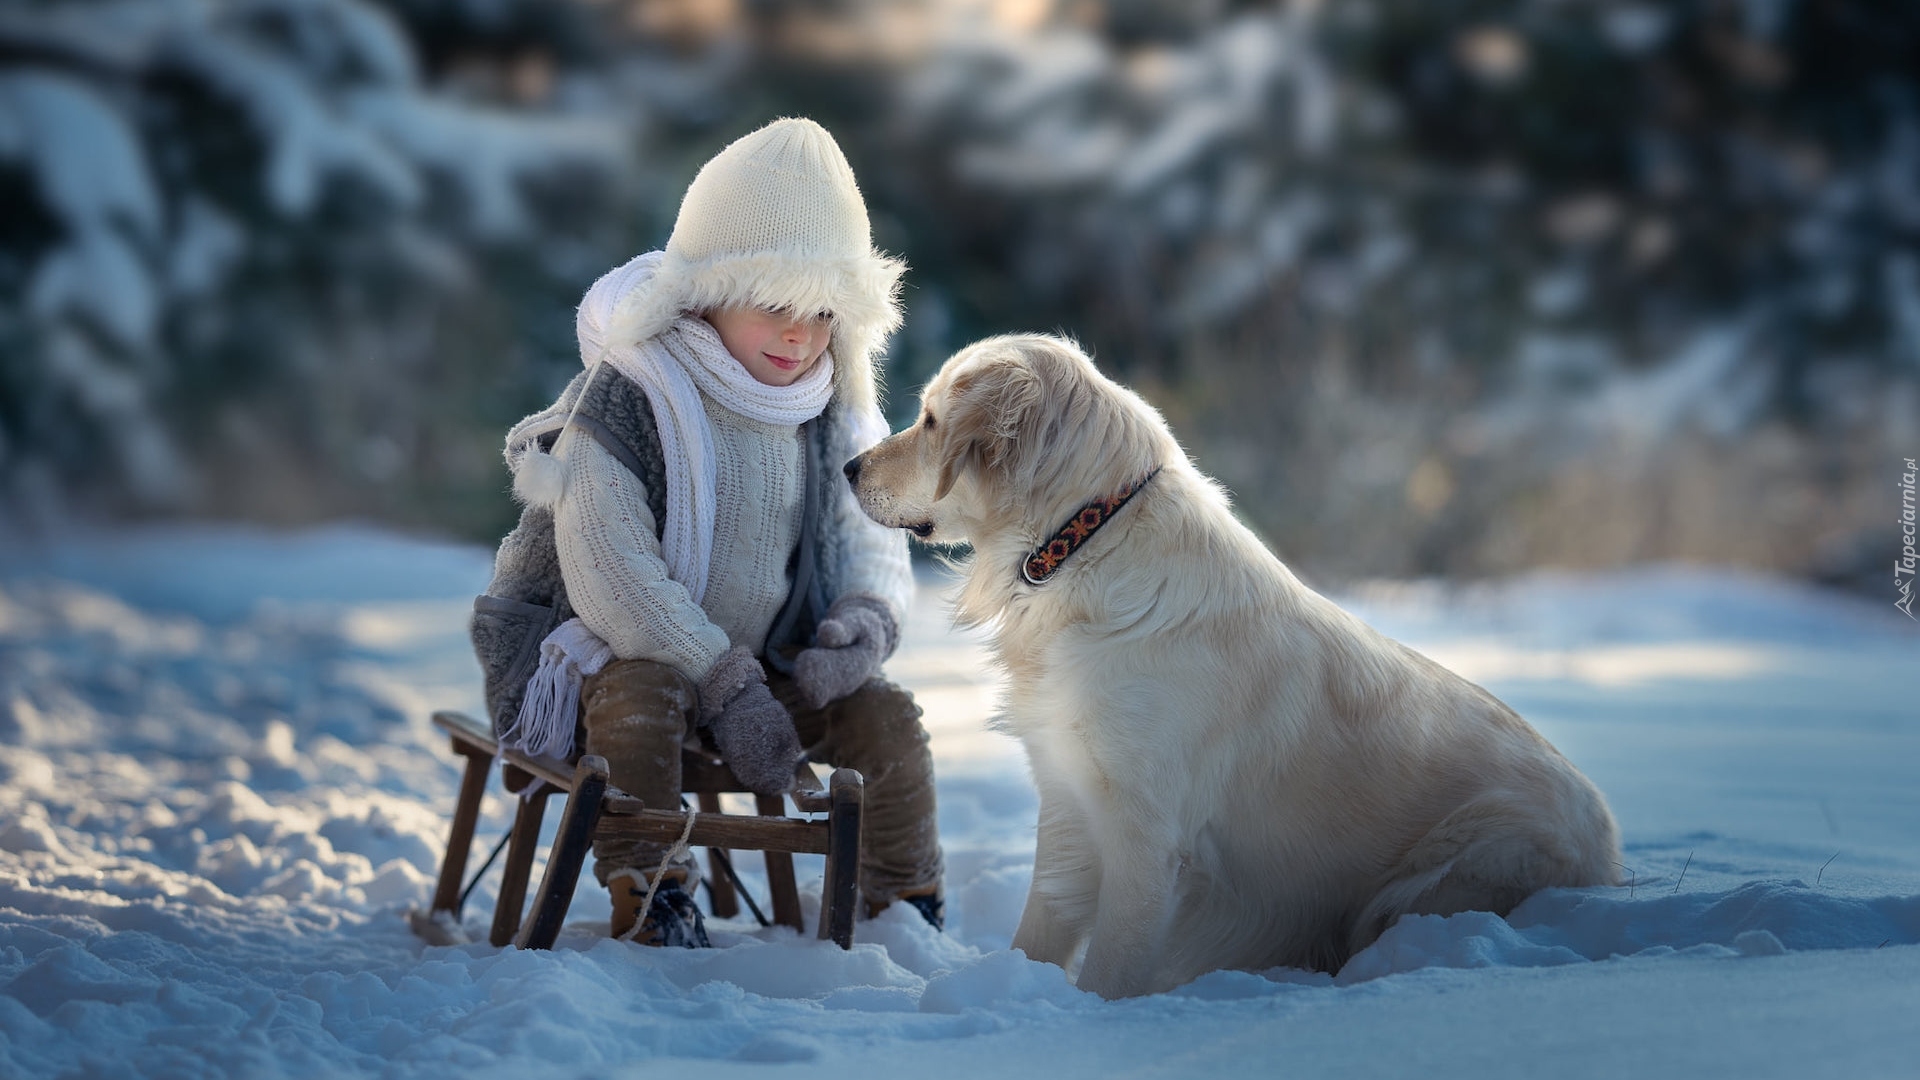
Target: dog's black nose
x: 852, y: 469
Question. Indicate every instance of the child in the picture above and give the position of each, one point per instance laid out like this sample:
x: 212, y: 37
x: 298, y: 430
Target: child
x: 702, y: 533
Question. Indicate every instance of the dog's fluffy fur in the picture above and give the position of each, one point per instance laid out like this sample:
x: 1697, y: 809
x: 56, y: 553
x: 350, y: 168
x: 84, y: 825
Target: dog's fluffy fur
x: 1233, y: 772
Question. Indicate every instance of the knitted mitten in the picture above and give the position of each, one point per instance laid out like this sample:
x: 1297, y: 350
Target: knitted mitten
x: 857, y: 635
x: 752, y: 729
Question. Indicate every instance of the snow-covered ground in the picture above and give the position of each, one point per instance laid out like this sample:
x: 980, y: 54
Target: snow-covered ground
x: 219, y: 791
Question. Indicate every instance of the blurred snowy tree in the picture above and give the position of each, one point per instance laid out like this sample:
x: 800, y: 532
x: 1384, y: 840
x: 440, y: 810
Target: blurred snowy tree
x: 1365, y: 248
x: 1488, y: 168
x: 250, y: 252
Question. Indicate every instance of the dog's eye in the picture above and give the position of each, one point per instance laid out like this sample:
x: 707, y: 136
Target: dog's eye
x: 928, y: 421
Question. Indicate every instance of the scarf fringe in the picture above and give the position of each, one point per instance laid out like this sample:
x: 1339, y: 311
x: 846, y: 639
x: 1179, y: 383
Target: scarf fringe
x: 544, y: 726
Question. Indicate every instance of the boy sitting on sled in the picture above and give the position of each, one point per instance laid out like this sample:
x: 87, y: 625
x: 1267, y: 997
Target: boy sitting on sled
x: 690, y: 562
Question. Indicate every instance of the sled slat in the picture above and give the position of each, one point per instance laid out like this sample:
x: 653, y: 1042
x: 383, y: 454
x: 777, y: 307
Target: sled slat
x: 569, y: 853
x: 512, y: 899
x: 843, y: 862
x: 465, y: 729
x: 722, y: 899
x: 780, y: 878
x: 702, y: 773
x: 466, y: 814
x: 728, y: 831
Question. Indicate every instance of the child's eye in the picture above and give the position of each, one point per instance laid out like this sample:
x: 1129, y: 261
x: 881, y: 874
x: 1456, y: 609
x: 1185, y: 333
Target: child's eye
x: 824, y: 316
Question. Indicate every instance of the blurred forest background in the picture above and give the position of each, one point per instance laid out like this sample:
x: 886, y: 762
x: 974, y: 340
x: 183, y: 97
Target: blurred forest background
x: 1451, y: 287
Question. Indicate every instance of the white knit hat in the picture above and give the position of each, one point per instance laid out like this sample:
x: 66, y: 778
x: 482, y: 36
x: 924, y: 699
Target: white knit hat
x: 776, y: 220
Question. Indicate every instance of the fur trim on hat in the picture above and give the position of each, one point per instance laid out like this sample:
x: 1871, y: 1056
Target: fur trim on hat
x: 862, y: 293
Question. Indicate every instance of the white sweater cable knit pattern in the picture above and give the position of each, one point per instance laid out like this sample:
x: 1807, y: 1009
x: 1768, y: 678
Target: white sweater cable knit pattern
x: 760, y: 501
x: 617, y: 580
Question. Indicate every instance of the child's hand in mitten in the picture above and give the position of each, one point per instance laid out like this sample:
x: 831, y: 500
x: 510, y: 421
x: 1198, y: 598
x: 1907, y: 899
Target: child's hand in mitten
x: 851, y: 642
x: 754, y: 732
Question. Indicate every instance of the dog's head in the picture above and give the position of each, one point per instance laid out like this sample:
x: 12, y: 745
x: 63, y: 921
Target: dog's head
x: 1015, y: 434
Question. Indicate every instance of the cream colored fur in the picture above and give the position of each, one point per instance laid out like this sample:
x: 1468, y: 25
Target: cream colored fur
x: 1233, y: 772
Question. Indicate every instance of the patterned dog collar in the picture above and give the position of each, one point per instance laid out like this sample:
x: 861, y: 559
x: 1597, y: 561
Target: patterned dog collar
x: 1045, y: 559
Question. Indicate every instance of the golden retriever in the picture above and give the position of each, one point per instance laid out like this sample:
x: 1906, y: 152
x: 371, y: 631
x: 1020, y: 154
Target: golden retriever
x: 1233, y: 772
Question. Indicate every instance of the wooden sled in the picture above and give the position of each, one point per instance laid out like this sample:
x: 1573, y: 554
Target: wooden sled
x: 596, y: 808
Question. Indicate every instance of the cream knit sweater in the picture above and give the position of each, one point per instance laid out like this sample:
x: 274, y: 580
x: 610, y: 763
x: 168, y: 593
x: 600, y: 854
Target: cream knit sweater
x: 615, y: 572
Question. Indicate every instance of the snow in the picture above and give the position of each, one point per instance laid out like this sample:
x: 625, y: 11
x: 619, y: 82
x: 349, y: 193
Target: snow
x: 87, y: 163
x: 219, y: 791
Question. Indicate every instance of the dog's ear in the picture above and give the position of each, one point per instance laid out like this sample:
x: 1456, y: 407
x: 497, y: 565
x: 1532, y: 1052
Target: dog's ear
x: 1005, y: 396
x: 989, y: 409
x: 967, y: 452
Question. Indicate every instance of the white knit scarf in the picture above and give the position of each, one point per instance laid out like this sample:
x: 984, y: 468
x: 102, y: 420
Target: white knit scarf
x: 674, y: 368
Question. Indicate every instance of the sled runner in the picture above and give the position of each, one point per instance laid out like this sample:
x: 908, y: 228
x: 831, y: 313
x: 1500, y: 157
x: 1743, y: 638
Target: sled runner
x: 596, y: 808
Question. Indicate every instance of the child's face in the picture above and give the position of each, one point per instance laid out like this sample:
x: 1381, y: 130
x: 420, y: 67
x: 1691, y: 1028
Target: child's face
x: 775, y: 347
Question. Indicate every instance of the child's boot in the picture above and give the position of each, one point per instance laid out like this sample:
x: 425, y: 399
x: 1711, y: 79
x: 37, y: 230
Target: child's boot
x: 673, y: 918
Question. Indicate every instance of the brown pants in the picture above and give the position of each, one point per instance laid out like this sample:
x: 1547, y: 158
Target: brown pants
x: 638, y: 714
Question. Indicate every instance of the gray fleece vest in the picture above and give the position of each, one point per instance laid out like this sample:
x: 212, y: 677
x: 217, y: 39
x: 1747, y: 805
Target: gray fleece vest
x: 527, y: 597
